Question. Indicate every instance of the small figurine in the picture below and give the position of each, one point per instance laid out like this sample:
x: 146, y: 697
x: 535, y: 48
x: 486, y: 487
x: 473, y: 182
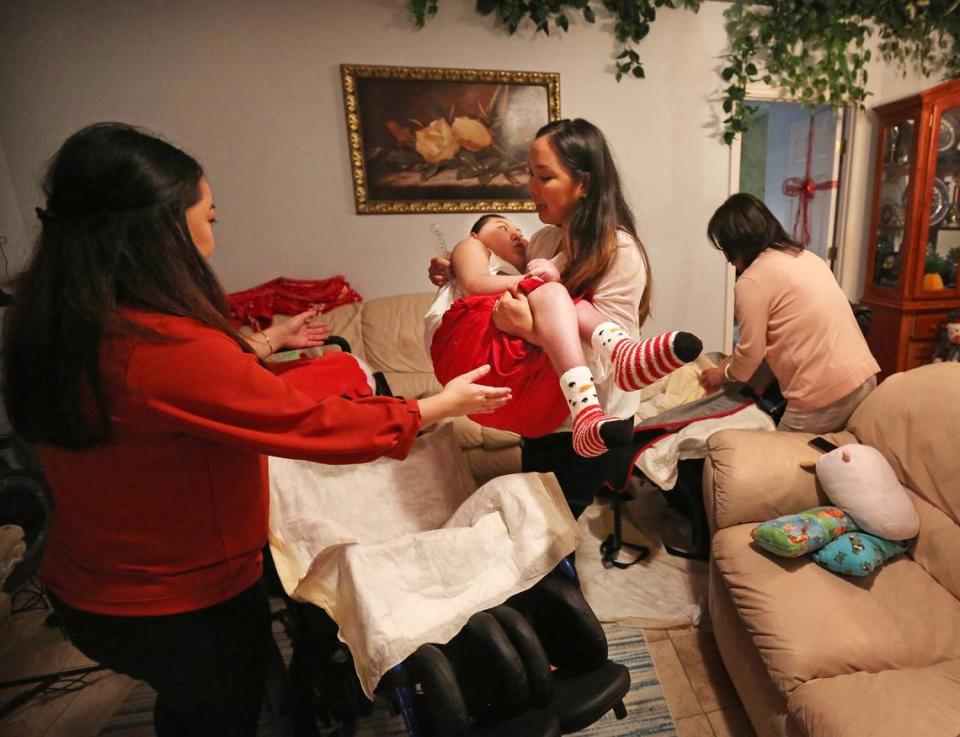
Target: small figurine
x: 887, y: 268
x: 949, y: 348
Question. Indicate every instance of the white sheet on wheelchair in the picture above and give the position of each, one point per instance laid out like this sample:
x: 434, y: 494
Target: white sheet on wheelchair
x: 402, y: 553
x: 678, y: 397
x: 659, y: 461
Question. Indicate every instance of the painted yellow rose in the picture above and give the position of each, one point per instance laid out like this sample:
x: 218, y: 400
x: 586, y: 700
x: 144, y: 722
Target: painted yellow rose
x: 435, y: 142
x: 471, y: 134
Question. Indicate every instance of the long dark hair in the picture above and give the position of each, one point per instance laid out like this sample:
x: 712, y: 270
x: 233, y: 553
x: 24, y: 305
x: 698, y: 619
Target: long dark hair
x: 114, y: 234
x: 743, y: 227
x: 591, y: 243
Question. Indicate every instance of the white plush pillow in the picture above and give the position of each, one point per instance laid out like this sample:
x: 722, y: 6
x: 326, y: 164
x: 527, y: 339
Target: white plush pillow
x: 858, y: 479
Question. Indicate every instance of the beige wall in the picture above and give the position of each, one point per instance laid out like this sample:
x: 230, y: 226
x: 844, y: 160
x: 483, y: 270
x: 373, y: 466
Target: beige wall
x: 253, y: 90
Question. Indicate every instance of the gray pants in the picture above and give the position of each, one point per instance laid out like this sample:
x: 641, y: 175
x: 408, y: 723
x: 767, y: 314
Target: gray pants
x: 831, y: 418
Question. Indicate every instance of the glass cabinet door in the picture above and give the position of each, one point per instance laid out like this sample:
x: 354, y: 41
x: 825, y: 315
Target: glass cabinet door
x: 894, y: 200
x: 943, y: 239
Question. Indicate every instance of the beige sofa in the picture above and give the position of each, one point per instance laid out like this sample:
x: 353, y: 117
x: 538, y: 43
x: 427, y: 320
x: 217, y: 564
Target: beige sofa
x: 387, y: 333
x: 813, y: 653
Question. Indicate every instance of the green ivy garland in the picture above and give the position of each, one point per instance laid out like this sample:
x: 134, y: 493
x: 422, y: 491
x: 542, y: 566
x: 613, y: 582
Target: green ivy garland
x: 815, y: 49
x: 632, y: 19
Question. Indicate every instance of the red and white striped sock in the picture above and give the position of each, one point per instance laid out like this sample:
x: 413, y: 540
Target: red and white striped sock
x: 640, y: 363
x: 590, y: 436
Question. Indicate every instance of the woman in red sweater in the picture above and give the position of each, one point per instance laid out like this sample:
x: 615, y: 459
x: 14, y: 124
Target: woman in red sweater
x: 151, y: 414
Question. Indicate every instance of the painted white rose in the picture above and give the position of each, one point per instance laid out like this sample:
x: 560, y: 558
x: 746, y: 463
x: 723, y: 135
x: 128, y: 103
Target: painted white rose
x: 435, y: 142
x: 471, y: 134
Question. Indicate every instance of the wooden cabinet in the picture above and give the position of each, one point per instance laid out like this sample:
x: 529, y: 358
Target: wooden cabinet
x: 914, y: 246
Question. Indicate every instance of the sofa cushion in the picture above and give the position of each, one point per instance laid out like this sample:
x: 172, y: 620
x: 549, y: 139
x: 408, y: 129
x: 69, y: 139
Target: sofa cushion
x: 393, y: 333
x: 472, y: 435
x: 487, y: 464
x: 345, y: 322
x: 413, y: 385
x: 937, y: 547
x: 913, y: 418
x: 808, y: 623
x: 909, y: 702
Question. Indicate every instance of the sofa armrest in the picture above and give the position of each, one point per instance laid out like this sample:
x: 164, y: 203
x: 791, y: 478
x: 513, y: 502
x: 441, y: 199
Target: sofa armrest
x: 471, y: 435
x: 755, y: 476
x: 488, y: 464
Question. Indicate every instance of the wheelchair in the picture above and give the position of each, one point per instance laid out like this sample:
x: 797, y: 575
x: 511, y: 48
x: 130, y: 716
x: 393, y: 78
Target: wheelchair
x: 534, y: 666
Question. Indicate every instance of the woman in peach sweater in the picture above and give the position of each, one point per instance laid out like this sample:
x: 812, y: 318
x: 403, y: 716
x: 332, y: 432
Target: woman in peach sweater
x: 793, y: 314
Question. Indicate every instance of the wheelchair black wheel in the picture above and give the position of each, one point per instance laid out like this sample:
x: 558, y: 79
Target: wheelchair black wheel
x: 25, y: 501
x: 22, y: 455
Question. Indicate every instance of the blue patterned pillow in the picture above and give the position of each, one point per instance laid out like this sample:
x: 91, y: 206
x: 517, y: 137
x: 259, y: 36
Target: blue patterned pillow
x: 858, y: 553
x: 794, y: 535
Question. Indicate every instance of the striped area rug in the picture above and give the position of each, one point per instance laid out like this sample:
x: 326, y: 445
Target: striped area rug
x: 647, y: 713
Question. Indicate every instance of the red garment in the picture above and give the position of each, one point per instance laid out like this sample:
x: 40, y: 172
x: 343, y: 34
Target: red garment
x: 257, y: 306
x: 467, y: 338
x: 332, y: 374
x: 171, y: 514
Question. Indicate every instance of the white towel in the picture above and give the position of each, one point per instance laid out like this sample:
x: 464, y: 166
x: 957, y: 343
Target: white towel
x: 401, y: 553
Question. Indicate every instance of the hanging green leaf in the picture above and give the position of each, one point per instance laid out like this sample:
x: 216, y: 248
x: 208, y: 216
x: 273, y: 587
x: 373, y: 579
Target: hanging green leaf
x: 812, y: 48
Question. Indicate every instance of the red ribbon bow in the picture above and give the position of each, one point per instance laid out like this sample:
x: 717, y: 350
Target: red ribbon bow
x: 804, y: 188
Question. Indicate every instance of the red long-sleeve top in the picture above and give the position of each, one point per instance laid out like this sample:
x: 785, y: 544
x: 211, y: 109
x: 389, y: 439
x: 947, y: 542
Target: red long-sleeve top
x: 171, y: 514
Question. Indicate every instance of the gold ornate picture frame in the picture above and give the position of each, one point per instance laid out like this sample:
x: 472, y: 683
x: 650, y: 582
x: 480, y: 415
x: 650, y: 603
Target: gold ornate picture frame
x: 425, y: 139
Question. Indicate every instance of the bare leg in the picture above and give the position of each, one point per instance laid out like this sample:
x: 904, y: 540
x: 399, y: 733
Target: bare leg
x: 556, y: 325
x: 555, y: 320
x: 588, y: 318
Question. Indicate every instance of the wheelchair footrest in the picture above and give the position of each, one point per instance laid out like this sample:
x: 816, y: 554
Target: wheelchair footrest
x: 581, y: 700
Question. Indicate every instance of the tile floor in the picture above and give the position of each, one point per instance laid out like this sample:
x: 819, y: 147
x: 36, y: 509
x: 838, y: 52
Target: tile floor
x: 698, y: 691
x: 695, y: 683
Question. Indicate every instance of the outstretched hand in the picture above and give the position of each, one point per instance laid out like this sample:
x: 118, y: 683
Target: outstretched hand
x: 468, y: 398
x: 461, y: 396
x: 439, y: 271
x: 300, y: 331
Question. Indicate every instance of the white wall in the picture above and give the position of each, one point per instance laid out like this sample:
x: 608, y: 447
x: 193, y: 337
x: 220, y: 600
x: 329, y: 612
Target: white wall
x: 252, y: 89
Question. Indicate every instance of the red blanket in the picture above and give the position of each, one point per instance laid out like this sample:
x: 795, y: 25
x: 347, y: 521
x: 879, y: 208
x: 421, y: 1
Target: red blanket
x: 257, y: 306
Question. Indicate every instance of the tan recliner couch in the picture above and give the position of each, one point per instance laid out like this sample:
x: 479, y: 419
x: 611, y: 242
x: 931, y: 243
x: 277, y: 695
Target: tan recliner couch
x: 814, y: 653
x: 387, y: 333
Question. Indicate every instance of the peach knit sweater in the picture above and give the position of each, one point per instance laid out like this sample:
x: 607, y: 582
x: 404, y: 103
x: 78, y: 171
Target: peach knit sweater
x: 792, y: 312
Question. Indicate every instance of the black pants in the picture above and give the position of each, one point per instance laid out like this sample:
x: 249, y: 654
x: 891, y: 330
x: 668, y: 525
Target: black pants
x: 580, y: 478
x: 208, y: 667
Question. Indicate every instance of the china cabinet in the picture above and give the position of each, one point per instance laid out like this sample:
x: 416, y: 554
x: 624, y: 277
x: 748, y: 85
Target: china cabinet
x: 914, y: 246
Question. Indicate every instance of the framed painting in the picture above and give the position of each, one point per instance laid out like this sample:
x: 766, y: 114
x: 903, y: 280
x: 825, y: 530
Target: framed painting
x: 443, y: 140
